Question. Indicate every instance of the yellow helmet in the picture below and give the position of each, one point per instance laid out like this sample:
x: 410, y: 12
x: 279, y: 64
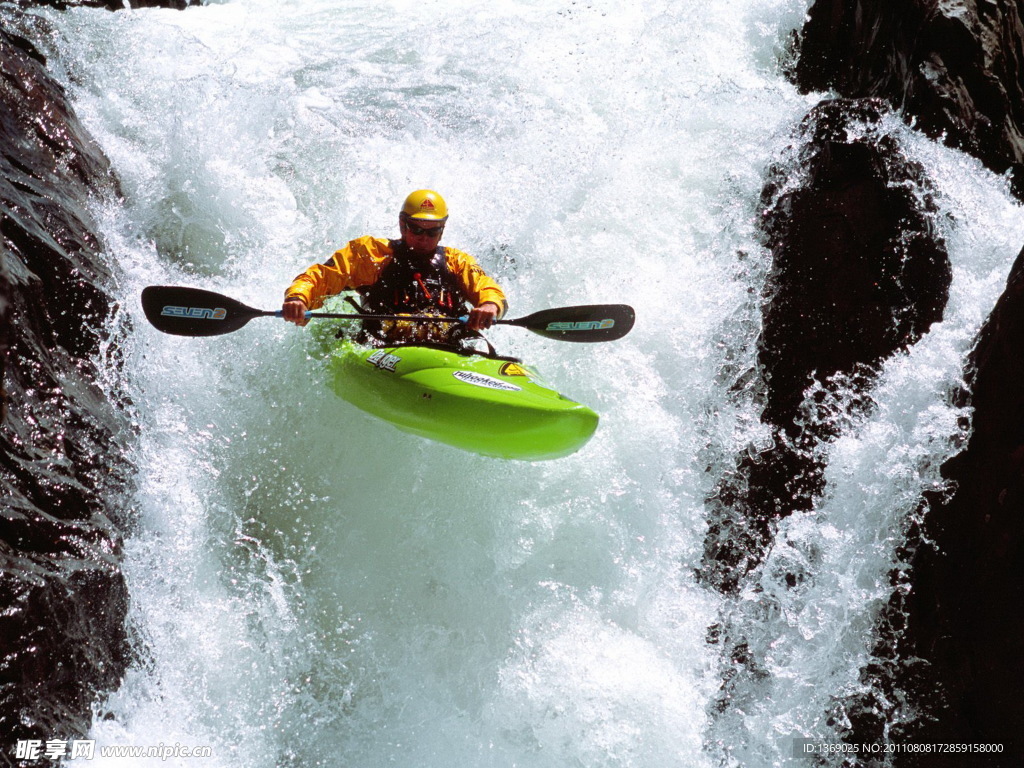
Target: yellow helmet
x: 425, y: 204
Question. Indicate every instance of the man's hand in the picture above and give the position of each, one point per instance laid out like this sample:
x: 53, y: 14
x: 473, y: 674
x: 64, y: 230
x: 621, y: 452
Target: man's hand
x: 483, y: 317
x: 294, y: 311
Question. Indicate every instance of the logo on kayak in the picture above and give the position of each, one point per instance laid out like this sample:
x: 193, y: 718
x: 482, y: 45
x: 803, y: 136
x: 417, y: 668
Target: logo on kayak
x: 384, y: 360
x: 479, y: 380
x: 583, y: 325
x: 198, y: 313
x: 513, y: 369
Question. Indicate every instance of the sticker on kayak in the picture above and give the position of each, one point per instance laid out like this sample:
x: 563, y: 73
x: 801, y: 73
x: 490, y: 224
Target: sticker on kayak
x: 199, y: 313
x: 513, y: 369
x: 583, y: 325
x: 479, y: 380
x: 384, y: 360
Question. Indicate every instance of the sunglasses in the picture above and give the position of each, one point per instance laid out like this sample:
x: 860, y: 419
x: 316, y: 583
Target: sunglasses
x: 418, y: 230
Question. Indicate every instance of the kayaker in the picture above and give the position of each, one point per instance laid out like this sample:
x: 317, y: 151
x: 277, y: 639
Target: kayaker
x: 412, y: 275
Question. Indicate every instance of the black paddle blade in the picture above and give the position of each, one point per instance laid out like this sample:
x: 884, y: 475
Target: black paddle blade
x: 594, y: 322
x: 193, y: 311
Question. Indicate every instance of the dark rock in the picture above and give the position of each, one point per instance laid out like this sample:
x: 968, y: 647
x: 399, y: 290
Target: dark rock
x: 950, y: 657
x: 858, y: 272
x: 62, y: 475
x: 858, y: 269
x: 955, y: 68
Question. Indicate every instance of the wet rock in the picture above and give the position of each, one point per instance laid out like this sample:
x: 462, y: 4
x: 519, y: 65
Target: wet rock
x: 62, y: 475
x: 950, y: 656
x: 858, y: 269
x: 954, y: 68
x: 947, y: 662
x: 858, y: 273
x: 966, y: 612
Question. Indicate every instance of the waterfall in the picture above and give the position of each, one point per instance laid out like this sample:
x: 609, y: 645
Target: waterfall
x: 310, y: 586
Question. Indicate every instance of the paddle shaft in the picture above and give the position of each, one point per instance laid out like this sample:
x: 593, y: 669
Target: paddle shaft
x: 359, y: 316
x: 534, y: 322
x: 363, y: 316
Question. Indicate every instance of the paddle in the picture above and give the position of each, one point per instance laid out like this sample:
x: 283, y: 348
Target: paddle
x: 196, y: 312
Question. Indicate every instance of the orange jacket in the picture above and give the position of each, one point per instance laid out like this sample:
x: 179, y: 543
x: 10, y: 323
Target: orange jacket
x: 361, y: 262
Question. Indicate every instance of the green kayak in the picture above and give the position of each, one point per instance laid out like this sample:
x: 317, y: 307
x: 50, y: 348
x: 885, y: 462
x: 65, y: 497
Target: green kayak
x: 488, y: 405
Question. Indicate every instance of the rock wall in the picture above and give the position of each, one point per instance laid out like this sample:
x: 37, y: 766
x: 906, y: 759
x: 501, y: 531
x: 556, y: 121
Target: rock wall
x: 62, y: 472
x: 948, y: 664
x: 954, y: 67
x: 64, y: 429
x: 64, y: 477
x: 965, y: 612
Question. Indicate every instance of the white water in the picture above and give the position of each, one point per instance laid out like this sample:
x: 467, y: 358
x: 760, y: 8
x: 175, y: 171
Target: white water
x: 311, y: 587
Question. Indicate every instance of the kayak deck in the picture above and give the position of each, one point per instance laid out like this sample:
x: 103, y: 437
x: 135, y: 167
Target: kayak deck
x: 488, y: 405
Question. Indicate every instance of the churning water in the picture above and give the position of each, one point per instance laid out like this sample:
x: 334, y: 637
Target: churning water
x: 311, y: 587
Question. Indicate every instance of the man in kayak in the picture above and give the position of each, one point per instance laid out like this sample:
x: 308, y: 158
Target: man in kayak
x: 412, y: 275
